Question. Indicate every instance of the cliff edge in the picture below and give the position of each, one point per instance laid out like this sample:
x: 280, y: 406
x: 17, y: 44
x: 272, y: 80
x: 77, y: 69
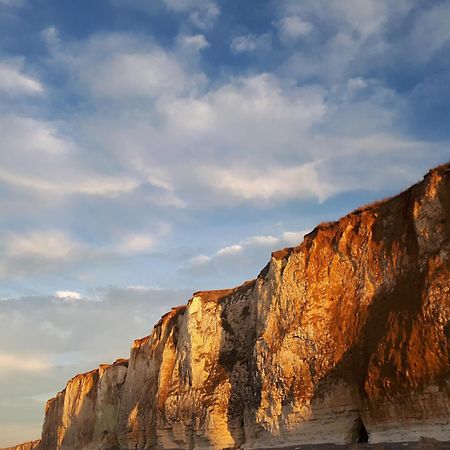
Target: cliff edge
x: 343, y: 339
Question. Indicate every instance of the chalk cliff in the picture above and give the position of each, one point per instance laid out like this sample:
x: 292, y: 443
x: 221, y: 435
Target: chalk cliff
x: 343, y: 338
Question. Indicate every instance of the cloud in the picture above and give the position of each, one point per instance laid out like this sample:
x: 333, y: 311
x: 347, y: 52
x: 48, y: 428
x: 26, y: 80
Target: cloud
x: 189, y: 42
x: 37, y: 252
x: 201, y: 13
x: 199, y: 260
x: 68, y: 295
x: 292, y: 28
x: 262, y: 240
x: 51, y: 245
x: 266, y: 123
x: 22, y: 363
x: 31, y: 136
x: 135, y: 74
x: 251, y: 43
x: 251, y: 250
x: 107, y: 187
x: 350, y: 36
x: 273, y: 184
x: 432, y: 23
x: 45, y: 160
x: 50, y: 35
x: 230, y: 250
x: 121, y: 66
x: 137, y: 243
x: 367, y: 17
x: 14, y: 82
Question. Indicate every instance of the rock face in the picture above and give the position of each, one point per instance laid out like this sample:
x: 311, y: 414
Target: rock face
x: 341, y: 339
x: 27, y: 446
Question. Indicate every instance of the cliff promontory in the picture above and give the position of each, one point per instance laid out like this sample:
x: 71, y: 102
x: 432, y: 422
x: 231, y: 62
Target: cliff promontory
x: 344, y: 338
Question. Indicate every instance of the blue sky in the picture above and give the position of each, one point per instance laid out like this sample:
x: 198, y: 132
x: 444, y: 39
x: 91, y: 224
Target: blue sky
x: 149, y: 149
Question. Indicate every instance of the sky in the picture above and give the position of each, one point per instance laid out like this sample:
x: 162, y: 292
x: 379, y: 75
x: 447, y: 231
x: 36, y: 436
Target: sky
x: 153, y: 148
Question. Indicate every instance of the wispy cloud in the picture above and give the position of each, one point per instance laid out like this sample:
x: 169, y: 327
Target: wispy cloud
x: 47, y: 245
x: 136, y: 243
x: 202, y: 13
x: 274, y: 184
x: 13, y: 81
x: 248, y: 43
x: 292, y: 28
x: 68, y: 295
x: 188, y: 42
x: 22, y: 363
x: 247, y: 248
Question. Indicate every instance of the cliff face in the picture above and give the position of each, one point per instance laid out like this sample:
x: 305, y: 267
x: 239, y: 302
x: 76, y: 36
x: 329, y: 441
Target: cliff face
x: 84, y: 415
x: 344, y: 335
x: 26, y: 446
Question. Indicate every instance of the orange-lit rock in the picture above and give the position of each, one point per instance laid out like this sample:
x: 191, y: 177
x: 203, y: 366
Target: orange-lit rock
x: 349, y: 330
x: 84, y: 415
x: 27, y: 446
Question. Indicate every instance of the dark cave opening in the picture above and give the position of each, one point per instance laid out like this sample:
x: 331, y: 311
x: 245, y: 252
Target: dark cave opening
x: 363, y: 435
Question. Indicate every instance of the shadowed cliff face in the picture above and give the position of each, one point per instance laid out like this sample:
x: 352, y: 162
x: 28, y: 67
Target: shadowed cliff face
x: 341, y: 339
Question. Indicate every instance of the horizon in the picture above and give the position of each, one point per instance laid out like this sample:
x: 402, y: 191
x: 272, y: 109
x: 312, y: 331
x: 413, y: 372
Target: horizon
x: 152, y: 149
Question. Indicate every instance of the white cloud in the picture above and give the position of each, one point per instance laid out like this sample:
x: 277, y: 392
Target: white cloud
x: 106, y: 187
x: 22, y: 363
x: 292, y: 28
x: 135, y: 74
x: 192, y: 42
x: 262, y: 240
x: 247, y: 249
x: 303, y: 181
x: 367, y: 17
x: 68, y: 295
x: 50, y: 36
x: 139, y: 288
x: 265, y: 124
x: 261, y: 117
x: 127, y: 67
x: 136, y: 243
x: 39, y: 252
x: 251, y: 43
x: 49, y: 245
x: 433, y: 23
x: 229, y: 250
x: 199, y: 260
x: 31, y: 136
x: 14, y: 82
x: 202, y: 13
x: 38, y: 158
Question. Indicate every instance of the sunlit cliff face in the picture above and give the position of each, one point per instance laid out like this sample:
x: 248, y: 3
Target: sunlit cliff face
x: 344, y: 338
